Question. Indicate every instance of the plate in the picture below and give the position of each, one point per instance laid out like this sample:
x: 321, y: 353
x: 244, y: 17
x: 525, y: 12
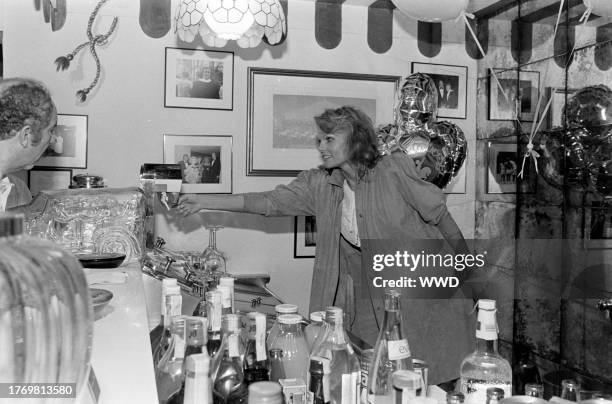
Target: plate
x: 103, y: 260
x: 100, y: 297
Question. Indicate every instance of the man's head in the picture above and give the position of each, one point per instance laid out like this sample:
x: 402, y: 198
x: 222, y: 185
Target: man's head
x: 27, y: 119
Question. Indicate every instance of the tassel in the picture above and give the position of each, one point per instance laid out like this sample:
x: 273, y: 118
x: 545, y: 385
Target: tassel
x: 63, y: 62
x: 82, y: 95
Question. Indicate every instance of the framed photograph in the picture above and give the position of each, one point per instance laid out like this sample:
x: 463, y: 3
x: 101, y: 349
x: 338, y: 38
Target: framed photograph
x: 282, y: 103
x: 521, y: 95
x: 502, y: 167
x: 555, y: 112
x: 304, y: 240
x: 451, y: 82
x: 598, y: 226
x: 68, y: 147
x: 198, y: 78
x: 206, y: 162
x: 48, y: 180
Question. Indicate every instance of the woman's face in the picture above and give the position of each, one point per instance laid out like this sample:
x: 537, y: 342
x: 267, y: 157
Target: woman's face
x: 333, y: 147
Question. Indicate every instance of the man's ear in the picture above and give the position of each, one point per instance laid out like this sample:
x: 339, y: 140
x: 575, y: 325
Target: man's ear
x: 25, y: 136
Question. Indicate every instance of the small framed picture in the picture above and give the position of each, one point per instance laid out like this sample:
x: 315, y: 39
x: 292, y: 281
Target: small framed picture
x: 68, y: 146
x: 305, y: 234
x: 514, y: 96
x: 555, y: 113
x: 48, y: 180
x: 451, y: 83
x: 598, y: 226
x: 502, y: 167
x: 198, y: 78
x: 206, y: 162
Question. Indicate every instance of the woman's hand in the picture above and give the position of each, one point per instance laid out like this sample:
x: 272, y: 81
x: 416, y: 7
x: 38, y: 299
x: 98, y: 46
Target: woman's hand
x: 189, y: 204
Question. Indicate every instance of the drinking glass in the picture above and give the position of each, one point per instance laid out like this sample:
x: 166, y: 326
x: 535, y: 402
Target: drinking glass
x: 213, y: 260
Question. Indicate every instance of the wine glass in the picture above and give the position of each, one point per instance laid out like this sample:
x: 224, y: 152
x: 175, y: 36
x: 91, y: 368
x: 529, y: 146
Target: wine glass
x: 213, y: 260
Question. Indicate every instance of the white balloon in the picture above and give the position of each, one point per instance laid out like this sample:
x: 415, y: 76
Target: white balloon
x: 602, y: 8
x: 434, y: 10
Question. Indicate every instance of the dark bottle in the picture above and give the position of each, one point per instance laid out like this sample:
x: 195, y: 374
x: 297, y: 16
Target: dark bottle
x: 255, y: 358
x: 195, y: 345
x: 318, y: 390
x: 525, y: 371
x: 570, y: 389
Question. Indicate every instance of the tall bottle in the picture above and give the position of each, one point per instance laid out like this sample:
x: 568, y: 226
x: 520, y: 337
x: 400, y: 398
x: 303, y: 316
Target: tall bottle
x: 391, y: 352
x: 291, y: 341
x: 485, y: 368
x: 195, y: 346
x: 344, y: 363
x: 197, y: 382
x: 255, y: 357
x: 213, y: 313
x: 280, y: 310
x: 318, y: 386
x: 227, y: 374
x: 161, y: 336
x: 169, y: 370
x: 312, y: 330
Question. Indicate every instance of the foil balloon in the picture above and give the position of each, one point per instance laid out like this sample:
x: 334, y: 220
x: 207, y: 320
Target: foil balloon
x: 416, y: 103
x: 602, y: 8
x: 388, y: 138
x: 591, y: 107
x: 432, y: 10
x: 550, y: 162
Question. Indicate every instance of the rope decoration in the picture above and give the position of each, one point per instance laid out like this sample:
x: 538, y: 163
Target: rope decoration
x: 63, y: 62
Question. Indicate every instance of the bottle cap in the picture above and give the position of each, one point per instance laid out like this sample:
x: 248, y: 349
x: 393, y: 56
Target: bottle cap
x: 534, y: 389
x: 286, y: 308
x: 455, y: 397
x: 199, y: 363
x: 319, y: 365
x: 289, y: 319
x: 265, y: 393
x: 495, y: 393
x: 570, y: 384
x: 333, y: 315
x: 276, y: 353
x: 317, y: 316
x: 406, y: 379
x: 486, y: 304
x: 11, y: 224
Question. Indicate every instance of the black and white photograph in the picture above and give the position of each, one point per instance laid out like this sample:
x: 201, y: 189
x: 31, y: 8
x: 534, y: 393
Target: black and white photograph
x: 206, y: 161
x: 199, y: 79
x: 512, y: 98
x: 598, y: 225
x: 304, y: 237
x: 451, y: 85
x: 502, y: 168
x: 68, y: 145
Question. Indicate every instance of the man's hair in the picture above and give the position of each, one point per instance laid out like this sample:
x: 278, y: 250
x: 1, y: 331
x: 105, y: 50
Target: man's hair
x: 24, y: 102
x: 362, y: 143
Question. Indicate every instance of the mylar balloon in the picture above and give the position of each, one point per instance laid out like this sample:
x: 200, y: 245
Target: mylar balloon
x: 432, y: 10
x: 416, y: 104
x: 387, y: 137
x: 550, y: 162
x: 602, y: 8
x: 591, y: 107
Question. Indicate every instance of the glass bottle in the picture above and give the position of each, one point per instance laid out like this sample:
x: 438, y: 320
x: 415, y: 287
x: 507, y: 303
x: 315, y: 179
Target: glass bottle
x: 197, y: 383
x: 534, y: 390
x: 494, y: 395
x: 255, y: 358
x: 213, y: 313
x: 227, y: 374
x: 228, y: 281
x: 344, y: 363
x: 455, y: 397
x: 169, y: 370
x: 291, y: 341
x: 265, y: 393
x: 485, y: 368
x: 525, y: 371
x: 280, y: 309
x: 276, y: 365
x: 195, y: 346
x: 318, y: 387
x: 391, y: 352
x: 213, y: 260
x: 569, y: 390
x: 173, y: 302
x: 406, y: 385
x: 312, y: 330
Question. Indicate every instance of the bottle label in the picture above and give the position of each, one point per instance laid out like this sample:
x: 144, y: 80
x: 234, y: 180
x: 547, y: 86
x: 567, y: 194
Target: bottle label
x: 173, y: 308
x: 398, y: 349
x: 350, y: 388
x: 487, y: 325
x: 214, y: 315
x: 260, y: 338
x: 233, y: 341
x: 476, y: 390
x: 179, y: 346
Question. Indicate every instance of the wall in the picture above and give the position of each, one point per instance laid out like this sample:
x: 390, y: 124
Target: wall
x: 127, y: 118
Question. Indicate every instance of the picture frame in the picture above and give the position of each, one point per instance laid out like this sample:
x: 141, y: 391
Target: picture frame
x: 206, y: 162
x: 555, y: 112
x: 197, y: 78
x: 48, y: 179
x: 451, y: 82
x: 282, y: 104
x: 68, y: 147
x: 304, y: 238
x: 598, y: 226
x: 502, y: 167
x: 522, y: 106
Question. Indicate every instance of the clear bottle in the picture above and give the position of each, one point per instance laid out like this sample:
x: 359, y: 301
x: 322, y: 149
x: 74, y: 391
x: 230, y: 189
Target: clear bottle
x: 280, y: 310
x: 227, y: 369
x: 391, y: 352
x: 213, y: 260
x: 195, y: 345
x: 293, y: 344
x: 570, y: 390
x: 455, y: 397
x: 406, y: 386
x: 494, y: 395
x: 228, y: 281
x: 485, y: 368
x: 160, y: 336
x: 344, y: 363
x: 169, y: 370
x: 265, y: 393
x: 213, y: 313
x: 277, y: 371
x: 318, y: 386
x: 197, y: 383
x: 255, y: 357
x: 312, y: 330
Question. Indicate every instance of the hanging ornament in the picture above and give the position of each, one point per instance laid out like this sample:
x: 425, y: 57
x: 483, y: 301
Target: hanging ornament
x: 432, y: 10
x: 63, y: 62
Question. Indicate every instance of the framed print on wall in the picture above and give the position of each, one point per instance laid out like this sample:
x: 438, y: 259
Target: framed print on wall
x: 198, y: 78
x: 282, y: 103
x: 555, y: 113
x: 598, y: 226
x: 48, y: 180
x: 304, y: 237
x: 502, y: 167
x: 206, y: 162
x: 68, y: 146
x: 521, y: 103
x: 451, y: 82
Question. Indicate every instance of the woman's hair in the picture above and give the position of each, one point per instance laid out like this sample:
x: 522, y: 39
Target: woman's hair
x: 362, y: 142
x: 24, y: 102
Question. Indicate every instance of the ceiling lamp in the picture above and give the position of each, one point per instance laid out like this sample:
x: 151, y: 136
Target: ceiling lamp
x: 244, y: 21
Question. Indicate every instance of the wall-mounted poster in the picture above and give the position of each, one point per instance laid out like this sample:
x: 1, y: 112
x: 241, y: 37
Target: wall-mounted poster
x: 68, y: 145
